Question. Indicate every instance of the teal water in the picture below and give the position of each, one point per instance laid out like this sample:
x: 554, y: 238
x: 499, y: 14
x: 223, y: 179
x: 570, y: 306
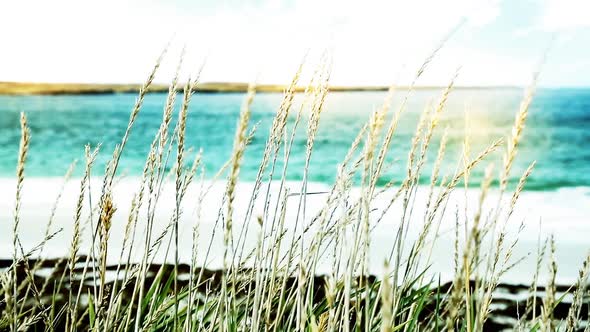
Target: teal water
x: 557, y: 134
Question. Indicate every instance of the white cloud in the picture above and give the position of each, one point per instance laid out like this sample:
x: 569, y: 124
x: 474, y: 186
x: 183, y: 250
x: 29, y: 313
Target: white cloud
x: 565, y: 14
x: 67, y: 40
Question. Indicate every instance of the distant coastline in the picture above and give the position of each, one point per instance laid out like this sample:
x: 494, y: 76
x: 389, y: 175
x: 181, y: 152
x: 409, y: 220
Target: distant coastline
x: 23, y: 88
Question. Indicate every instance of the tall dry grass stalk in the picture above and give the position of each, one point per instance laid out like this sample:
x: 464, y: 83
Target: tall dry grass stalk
x: 269, y: 281
x: 12, y: 301
x: 76, y: 235
x: 547, y: 317
x: 240, y: 142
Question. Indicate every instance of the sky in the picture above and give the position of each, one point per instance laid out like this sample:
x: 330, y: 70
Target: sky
x: 371, y: 42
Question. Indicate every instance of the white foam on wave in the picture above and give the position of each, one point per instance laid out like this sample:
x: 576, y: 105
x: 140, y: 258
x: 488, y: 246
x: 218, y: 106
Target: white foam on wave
x: 564, y: 213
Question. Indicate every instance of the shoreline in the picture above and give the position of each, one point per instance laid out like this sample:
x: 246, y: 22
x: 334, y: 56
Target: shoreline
x: 29, y: 88
x: 582, y: 189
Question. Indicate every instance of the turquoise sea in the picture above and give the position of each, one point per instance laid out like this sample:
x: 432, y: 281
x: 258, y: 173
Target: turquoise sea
x: 557, y: 134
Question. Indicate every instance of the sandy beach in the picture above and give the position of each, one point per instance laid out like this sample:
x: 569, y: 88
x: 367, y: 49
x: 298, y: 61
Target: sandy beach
x: 563, y: 213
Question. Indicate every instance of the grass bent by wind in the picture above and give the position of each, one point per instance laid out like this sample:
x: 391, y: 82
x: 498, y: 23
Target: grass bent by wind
x: 276, y: 285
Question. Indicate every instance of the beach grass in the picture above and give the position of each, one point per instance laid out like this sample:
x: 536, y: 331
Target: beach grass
x: 277, y: 286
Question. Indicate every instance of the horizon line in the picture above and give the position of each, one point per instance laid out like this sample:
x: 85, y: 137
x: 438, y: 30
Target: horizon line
x: 44, y: 88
